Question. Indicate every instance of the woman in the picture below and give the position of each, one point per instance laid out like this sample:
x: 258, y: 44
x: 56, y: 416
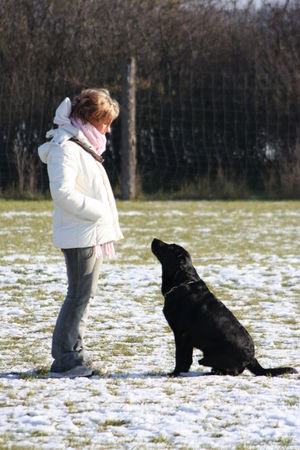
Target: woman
x: 85, y: 223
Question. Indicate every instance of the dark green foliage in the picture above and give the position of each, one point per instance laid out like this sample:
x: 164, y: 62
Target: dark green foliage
x: 217, y: 89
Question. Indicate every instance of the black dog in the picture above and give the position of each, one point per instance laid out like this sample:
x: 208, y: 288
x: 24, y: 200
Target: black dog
x: 198, y: 319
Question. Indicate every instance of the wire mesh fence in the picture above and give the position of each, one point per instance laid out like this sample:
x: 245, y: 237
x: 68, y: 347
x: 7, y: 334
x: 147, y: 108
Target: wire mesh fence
x: 217, y: 89
x: 222, y: 128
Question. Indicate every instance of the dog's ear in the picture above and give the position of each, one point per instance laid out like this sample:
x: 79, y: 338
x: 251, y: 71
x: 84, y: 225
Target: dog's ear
x: 185, y: 261
x: 181, y: 257
x: 180, y: 252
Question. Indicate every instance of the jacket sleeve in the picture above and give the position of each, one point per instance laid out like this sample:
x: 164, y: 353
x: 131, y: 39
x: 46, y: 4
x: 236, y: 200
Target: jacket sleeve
x: 62, y: 171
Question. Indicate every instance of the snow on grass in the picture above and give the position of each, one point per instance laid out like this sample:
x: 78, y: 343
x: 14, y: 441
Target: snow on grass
x: 249, y: 256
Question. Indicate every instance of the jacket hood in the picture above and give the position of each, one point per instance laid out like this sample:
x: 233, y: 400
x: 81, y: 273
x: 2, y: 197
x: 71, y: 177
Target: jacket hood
x: 58, y: 136
x: 64, y: 132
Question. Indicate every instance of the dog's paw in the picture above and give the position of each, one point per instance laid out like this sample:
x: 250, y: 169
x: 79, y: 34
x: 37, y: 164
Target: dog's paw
x: 217, y: 372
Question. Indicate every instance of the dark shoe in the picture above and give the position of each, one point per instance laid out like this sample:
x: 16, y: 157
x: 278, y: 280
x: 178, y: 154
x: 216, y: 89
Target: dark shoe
x: 77, y: 371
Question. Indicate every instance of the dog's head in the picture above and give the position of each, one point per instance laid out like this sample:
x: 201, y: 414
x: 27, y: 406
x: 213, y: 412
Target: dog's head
x: 170, y: 255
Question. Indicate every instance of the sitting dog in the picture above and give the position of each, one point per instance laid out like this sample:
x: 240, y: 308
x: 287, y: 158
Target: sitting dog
x: 198, y: 319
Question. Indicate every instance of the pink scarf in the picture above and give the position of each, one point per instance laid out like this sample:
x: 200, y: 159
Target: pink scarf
x: 98, y: 141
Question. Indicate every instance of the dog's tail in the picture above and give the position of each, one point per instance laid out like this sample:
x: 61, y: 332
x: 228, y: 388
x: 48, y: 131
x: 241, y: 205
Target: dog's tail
x: 257, y: 369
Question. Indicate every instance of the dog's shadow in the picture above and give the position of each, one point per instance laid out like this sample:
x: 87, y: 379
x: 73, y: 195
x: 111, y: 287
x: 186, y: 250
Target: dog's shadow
x: 43, y: 374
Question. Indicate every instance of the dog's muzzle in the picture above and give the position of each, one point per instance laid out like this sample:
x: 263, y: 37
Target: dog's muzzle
x: 157, y: 245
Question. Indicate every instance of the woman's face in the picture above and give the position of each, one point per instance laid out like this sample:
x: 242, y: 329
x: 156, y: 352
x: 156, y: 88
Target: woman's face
x: 102, y: 127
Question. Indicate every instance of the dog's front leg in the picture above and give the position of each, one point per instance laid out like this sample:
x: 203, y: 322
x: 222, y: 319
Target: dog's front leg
x: 183, y: 353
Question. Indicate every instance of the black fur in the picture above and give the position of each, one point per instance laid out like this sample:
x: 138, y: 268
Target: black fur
x: 199, y: 320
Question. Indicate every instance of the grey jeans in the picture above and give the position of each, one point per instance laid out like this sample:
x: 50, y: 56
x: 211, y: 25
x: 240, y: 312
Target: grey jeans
x: 83, y: 271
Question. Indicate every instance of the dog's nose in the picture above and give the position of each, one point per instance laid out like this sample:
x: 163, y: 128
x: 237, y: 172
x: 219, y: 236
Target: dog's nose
x: 155, y: 241
x: 156, y: 244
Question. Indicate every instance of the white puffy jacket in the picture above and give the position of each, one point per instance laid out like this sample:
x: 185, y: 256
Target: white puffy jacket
x: 85, y: 212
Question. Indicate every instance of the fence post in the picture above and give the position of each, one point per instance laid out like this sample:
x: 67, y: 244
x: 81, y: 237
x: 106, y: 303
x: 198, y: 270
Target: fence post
x: 128, y: 145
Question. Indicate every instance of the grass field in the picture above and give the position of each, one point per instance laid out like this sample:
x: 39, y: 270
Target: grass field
x: 247, y: 252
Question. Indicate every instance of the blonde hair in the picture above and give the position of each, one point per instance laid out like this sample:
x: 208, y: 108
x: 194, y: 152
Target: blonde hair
x: 95, y: 105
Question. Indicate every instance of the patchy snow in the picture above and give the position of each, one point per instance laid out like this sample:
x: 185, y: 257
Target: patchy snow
x: 133, y: 404
x: 13, y: 214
